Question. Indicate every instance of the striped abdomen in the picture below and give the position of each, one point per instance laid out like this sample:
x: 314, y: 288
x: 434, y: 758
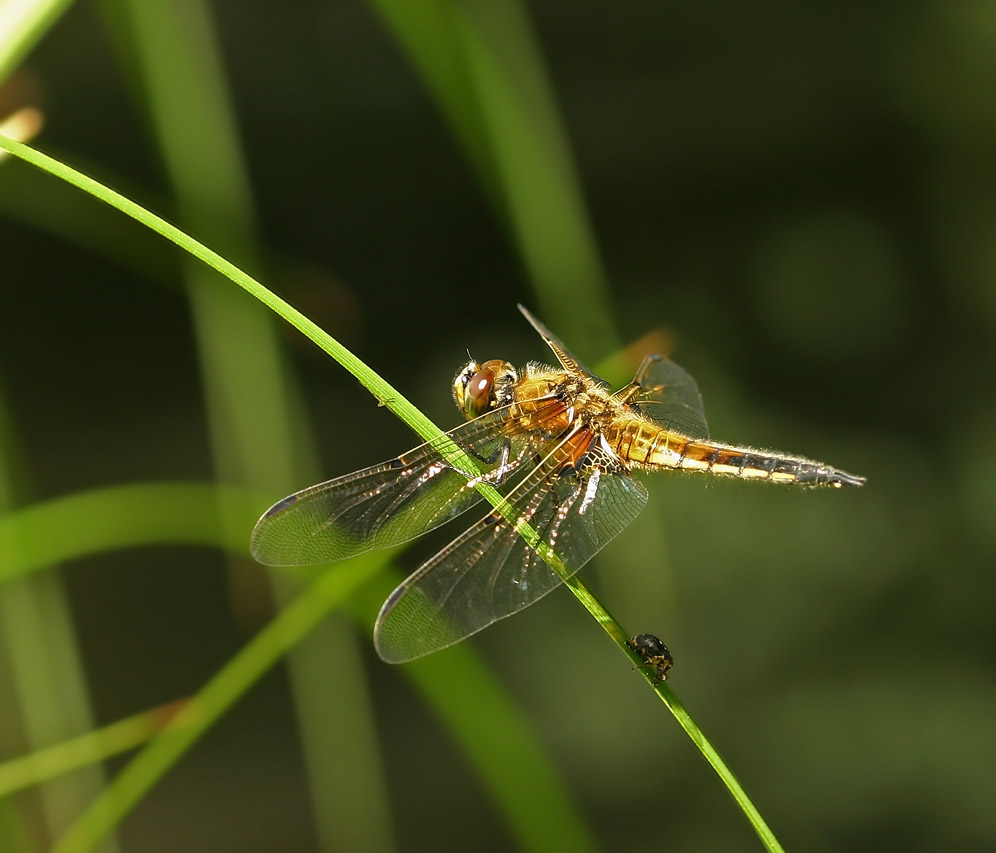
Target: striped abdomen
x: 645, y: 444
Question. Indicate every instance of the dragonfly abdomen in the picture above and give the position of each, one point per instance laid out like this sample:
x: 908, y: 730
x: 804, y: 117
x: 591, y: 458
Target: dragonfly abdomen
x: 648, y: 445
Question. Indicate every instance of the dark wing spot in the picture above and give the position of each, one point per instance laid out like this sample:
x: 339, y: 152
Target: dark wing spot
x: 394, y: 597
x: 280, y: 506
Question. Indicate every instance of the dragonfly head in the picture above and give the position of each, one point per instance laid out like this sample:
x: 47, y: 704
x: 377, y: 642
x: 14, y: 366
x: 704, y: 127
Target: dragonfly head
x: 479, y: 388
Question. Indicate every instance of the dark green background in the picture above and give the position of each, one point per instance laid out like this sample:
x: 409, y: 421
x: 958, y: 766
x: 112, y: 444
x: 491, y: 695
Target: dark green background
x: 801, y: 197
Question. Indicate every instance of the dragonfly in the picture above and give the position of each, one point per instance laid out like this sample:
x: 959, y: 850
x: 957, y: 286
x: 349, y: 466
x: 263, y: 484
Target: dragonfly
x: 560, y: 447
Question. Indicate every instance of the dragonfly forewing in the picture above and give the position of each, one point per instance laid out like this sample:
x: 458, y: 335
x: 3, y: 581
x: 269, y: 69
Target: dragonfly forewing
x: 389, y: 503
x: 490, y: 572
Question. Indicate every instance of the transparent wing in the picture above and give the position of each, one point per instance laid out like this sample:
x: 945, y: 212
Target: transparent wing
x: 392, y: 502
x: 575, y: 500
x: 669, y: 396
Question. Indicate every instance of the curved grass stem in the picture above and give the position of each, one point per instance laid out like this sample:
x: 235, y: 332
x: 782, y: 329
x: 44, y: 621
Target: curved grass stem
x: 407, y: 412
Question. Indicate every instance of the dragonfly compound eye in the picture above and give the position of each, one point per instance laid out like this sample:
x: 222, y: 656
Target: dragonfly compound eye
x: 477, y: 394
x: 473, y: 389
x: 479, y: 388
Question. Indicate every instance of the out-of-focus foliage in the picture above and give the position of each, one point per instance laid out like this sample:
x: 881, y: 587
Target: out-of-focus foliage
x: 798, y: 199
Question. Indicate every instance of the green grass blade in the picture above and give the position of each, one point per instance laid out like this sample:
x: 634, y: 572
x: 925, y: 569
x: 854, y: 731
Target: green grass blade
x: 710, y: 754
x: 121, y: 517
x: 428, y: 34
x: 51, y: 697
x: 385, y: 393
x: 83, y: 751
x: 481, y: 63
x: 189, y: 514
x: 505, y: 118
x: 250, y: 395
x: 22, y: 25
x: 522, y: 781
x: 44, y: 668
x: 214, y: 700
x: 667, y: 696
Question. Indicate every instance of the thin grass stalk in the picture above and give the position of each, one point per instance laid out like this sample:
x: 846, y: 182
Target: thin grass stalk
x: 391, y: 400
x: 248, y: 392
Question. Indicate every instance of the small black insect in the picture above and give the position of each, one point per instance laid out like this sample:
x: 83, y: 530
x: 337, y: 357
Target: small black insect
x: 654, y: 653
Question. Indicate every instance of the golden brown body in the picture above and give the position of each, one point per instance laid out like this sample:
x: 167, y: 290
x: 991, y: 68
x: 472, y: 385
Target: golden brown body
x: 557, y: 400
x: 561, y: 448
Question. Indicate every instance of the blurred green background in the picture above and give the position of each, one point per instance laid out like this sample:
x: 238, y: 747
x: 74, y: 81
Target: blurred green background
x: 796, y: 202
